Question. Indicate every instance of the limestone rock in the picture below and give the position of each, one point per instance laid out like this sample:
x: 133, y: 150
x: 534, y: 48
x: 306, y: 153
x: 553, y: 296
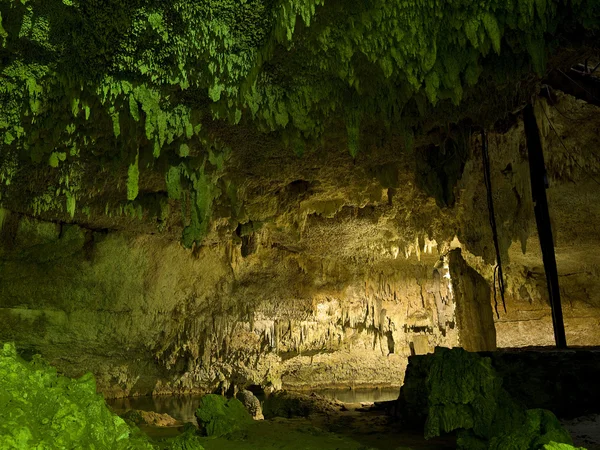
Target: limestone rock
x: 218, y: 416
x: 293, y: 404
x: 251, y: 403
x: 331, y: 275
x: 139, y: 417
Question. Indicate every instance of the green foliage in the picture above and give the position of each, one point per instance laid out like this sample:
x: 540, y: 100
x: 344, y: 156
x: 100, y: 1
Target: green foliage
x: 41, y: 409
x: 3, y: 215
x: 201, y: 183
x: 133, y: 178
x: 107, y: 80
x: 173, y: 181
x: 9, y: 165
x: 218, y: 416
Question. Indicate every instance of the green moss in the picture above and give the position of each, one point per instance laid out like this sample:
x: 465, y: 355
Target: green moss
x: 133, y: 178
x: 218, y: 416
x: 41, y: 409
x: 559, y: 446
x: 539, y: 428
x: 465, y: 393
x: 188, y: 440
x: 3, y: 216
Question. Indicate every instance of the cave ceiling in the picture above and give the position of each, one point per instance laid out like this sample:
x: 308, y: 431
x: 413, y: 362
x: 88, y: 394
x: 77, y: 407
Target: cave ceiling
x: 168, y: 116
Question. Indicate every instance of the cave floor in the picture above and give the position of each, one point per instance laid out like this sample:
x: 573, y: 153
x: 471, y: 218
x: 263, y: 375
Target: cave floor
x: 351, y: 430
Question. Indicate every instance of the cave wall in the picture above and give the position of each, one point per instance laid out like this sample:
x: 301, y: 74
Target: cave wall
x: 325, y: 276
x: 148, y: 316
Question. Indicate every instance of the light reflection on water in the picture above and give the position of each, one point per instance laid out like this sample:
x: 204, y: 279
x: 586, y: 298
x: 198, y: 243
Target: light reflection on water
x: 182, y: 407
x: 360, y: 395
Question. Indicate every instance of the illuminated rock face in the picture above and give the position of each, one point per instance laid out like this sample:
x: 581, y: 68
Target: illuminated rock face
x: 146, y: 316
x: 332, y: 278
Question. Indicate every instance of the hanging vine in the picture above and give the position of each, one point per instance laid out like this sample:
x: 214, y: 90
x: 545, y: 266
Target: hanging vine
x: 134, y: 81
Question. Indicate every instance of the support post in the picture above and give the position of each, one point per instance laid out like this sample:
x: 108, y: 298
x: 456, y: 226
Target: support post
x: 539, y: 184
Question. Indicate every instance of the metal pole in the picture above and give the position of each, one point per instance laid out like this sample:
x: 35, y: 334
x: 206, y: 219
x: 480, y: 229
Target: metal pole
x: 539, y: 184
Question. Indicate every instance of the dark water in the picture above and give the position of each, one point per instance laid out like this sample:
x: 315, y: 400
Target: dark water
x: 182, y: 407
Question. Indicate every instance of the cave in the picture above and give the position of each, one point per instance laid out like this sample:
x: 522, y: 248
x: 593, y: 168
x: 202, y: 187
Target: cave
x: 294, y: 224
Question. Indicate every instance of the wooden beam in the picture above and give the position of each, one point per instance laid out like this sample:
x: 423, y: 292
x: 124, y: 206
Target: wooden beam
x: 539, y: 184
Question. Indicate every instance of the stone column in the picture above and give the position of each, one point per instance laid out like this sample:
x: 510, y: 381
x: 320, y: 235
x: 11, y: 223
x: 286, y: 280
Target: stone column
x: 474, y: 314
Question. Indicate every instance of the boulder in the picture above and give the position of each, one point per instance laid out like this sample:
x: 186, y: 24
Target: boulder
x: 138, y: 417
x: 41, y: 409
x: 462, y: 391
x: 188, y: 440
x: 292, y: 404
x: 218, y: 416
x: 251, y: 403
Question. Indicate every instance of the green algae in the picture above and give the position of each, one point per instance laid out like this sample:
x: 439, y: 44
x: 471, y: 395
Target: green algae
x: 218, y: 416
x: 288, y: 434
x: 559, y: 446
x: 41, y: 409
x: 465, y: 393
x: 188, y: 440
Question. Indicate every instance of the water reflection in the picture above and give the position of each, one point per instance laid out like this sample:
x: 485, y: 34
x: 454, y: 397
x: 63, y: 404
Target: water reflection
x: 182, y: 407
x: 360, y: 395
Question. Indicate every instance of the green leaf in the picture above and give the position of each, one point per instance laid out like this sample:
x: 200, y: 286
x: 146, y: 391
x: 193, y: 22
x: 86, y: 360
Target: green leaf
x: 116, y: 124
x: 133, y: 177
x: 214, y: 92
x: 3, y: 33
x: 53, y: 160
x: 491, y: 27
x: 353, y: 138
x: 71, y: 201
x: 173, y: 181
x: 134, y: 109
x: 184, y: 150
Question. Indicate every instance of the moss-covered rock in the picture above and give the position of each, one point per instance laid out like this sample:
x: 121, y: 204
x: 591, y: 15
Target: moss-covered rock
x: 188, y: 440
x: 465, y: 393
x: 218, y: 416
x: 539, y: 429
x: 558, y: 446
x: 41, y: 409
x: 293, y: 404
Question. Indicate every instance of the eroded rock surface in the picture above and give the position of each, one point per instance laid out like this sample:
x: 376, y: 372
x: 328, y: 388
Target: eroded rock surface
x: 331, y: 272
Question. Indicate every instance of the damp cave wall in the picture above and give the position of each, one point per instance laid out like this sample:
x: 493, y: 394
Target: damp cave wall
x: 332, y: 282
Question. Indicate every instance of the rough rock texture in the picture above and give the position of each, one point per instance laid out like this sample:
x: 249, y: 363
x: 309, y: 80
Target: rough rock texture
x: 292, y: 404
x: 251, y: 403
x: 218, y: 416
x: 463, y: 391
x: 147, y: 317
x: 474, y: 316
x: 139, y: 417
x: 41, y: 409
x: 330, y: 275
x: 564, y: 382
